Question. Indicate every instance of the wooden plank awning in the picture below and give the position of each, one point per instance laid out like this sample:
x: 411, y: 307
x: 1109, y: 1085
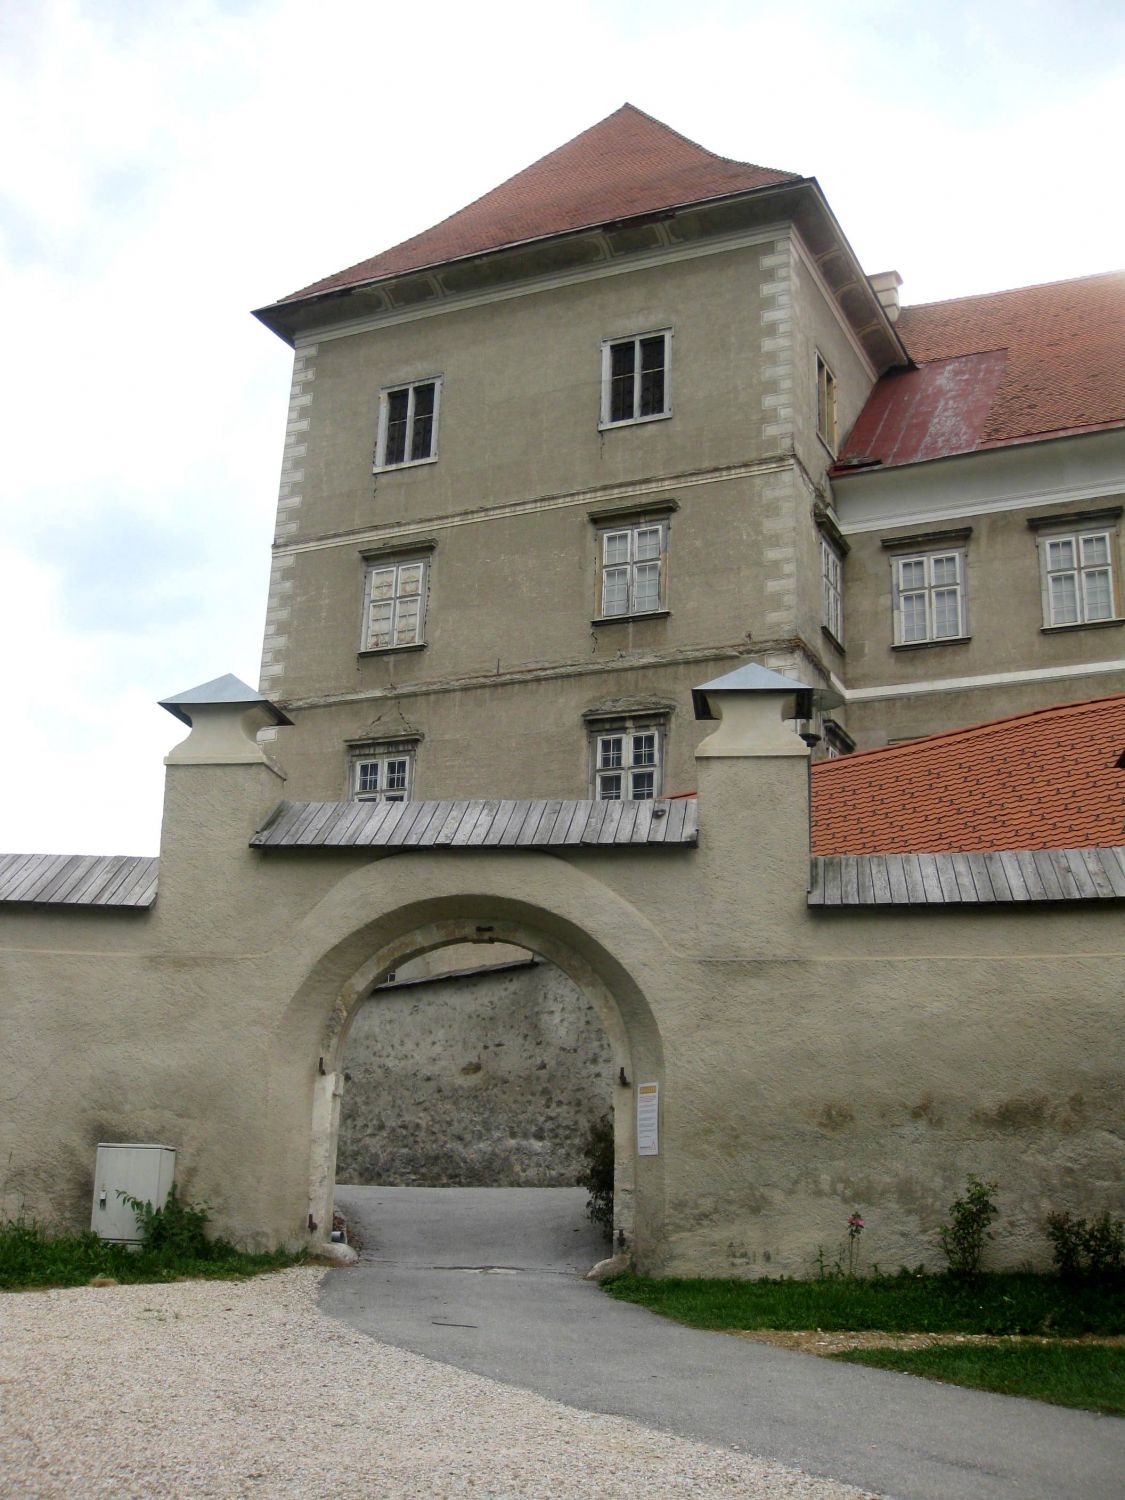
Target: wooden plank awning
x: 479, y: 825
x: 967, y: 879
x: 122, y: 880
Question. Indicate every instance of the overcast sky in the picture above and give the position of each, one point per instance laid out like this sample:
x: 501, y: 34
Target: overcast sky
x: 168, y: 167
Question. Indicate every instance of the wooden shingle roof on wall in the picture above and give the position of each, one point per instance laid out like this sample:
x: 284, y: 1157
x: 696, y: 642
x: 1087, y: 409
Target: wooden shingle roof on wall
x: 103, y: 880
x: 534, y: 824
x: 967, y: 879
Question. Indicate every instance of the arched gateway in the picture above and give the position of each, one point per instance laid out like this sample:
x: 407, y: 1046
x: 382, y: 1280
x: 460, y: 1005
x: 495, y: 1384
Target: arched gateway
x: 469, y: 896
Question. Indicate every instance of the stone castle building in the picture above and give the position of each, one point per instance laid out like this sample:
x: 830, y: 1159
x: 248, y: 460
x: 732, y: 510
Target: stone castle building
x: 629, y: 420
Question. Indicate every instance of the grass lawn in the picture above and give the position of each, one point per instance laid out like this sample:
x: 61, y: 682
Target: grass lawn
x: 1085, y: 1375
x: 29, y: 1258
x: 1002, y: 1304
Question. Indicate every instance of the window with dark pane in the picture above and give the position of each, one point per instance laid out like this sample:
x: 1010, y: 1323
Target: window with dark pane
x: 407, y: 425
x: 422, y: 434
x: 398, y: 405
x: 623, y: 364
x: 652, y: 377
x: 635, y: 378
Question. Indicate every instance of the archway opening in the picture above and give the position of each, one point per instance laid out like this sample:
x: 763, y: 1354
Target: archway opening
x: 599, y: 948
x: 477, y: 1091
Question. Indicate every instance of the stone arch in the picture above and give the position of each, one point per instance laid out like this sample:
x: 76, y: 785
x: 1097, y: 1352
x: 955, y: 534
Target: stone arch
x: 379, y: 917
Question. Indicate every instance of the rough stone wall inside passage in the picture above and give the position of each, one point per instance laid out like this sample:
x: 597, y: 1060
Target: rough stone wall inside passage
x: 488, y: 1079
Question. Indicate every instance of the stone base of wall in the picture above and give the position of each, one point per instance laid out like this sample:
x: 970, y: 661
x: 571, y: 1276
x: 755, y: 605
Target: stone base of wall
x: 485, y: 1079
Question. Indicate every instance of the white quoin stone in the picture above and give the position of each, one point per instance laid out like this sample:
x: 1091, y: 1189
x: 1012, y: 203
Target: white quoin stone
x: 751, y: 704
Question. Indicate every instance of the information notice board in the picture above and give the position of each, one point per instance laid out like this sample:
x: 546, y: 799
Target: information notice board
x: 648, y: 1119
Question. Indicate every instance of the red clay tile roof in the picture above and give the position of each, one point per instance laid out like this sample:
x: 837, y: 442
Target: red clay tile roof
x: 628, y: 164
x: 1049, y: 360
x: 1043, y: 780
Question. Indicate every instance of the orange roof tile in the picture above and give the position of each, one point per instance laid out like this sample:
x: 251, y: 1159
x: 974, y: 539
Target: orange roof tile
x: 1059, y: 367
x: 626, y: 165
x: 1050, y: 779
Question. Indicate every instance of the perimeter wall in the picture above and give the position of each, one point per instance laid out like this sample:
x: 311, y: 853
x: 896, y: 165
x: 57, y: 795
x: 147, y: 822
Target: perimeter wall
x: 810, y: 1063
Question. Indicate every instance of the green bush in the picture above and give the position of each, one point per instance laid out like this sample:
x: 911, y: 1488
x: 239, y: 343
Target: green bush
x: 175, y: 1231
x: 964, y: 1238
x: 597, y: 1175
x: 1093, y: 1249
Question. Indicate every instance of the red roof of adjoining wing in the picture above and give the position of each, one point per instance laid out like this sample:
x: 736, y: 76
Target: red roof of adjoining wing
x: 1043, y: 780
x: 627, y: 164
x: 1063, y: 370
x: 930, y: 412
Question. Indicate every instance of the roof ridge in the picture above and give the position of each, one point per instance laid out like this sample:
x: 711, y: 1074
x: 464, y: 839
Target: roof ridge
x: 986, y: 726
x: 1006, y: 291
x: 735, y: 161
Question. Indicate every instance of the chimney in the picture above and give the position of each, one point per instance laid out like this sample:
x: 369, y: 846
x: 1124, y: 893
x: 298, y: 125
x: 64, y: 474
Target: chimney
x: 885, y: 285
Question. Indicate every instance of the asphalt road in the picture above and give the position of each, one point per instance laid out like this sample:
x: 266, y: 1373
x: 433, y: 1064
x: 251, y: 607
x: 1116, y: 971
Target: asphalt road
x: 489, y: 1280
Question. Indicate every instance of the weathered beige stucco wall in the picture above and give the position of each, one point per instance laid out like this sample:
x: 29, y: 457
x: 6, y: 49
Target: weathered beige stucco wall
x: 810, y: 1064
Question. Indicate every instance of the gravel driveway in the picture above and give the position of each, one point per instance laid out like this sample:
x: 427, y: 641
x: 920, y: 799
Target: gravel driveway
x: 216, y: 1390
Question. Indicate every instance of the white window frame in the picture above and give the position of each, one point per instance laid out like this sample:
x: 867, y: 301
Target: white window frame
x: 1081, y: 571
x: 636, y: 339
x: 928, y: 591
x: 412, y: 387
x: 827, y: 406
x: 832, y: 590
x: 633, y: 766
x: 400, y: 596
x: 631, y: 565
x: 387, y: 766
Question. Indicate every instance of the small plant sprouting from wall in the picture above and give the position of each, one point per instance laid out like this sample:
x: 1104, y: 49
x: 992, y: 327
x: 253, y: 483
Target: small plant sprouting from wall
x: 597, y: 1174
x: 965, y: 1236
x: 1087, y: 1249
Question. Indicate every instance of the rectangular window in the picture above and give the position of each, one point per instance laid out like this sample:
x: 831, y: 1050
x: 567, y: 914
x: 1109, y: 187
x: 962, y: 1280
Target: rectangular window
x: 394, y: 605
x: 407, y: 424
x: 1078, y: 577
x: 631, y: 569
x: 626, y: 758
x: 381, y: 773
x: 832, y: 585
x: 826, y: 422
x: 929, y: 594
x: 635, y: 379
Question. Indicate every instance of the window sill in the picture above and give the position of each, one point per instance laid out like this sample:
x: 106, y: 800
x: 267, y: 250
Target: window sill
x: 391, y: 650
x: 1081, y: 625
x: 410, y: 463
x: 828, y: 636
x: 660, y: 416
x: 648, y: 614
x: 946, y: 640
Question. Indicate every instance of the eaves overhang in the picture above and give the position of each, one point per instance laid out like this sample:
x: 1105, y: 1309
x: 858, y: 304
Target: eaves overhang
x: 605, y: 243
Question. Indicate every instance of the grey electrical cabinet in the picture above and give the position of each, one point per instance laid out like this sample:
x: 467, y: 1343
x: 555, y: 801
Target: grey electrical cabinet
x: 142, y: 1172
